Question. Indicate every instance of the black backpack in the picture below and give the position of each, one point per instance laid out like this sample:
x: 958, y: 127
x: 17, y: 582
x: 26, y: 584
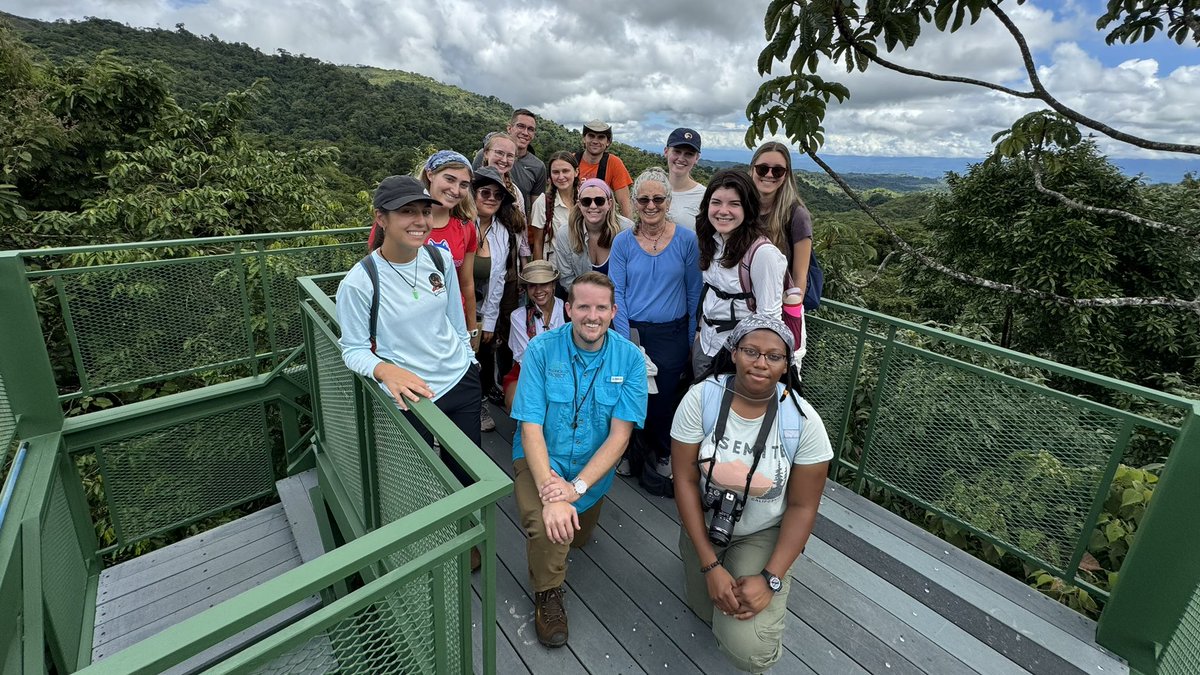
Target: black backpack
x: 368, y: 263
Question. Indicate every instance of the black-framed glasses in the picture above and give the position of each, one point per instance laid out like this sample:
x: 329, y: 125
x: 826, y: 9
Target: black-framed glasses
x: 753, y: 354
x: 657, y: 199
x: 586, y: 202
x: 775, y: 171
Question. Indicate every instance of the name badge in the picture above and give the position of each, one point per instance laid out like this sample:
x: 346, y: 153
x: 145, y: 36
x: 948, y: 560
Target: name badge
x: 616, y: 379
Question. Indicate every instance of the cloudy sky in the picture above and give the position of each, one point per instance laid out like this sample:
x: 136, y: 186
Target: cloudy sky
x: 647, y: 67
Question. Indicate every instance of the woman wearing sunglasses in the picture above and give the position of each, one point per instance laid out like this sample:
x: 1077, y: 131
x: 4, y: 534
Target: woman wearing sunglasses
x: 502, y: 246
x: 550, y: 211
x: 730, y: 237
x: 656, y: 270
x: 585, y: 242
x: 781, y: 211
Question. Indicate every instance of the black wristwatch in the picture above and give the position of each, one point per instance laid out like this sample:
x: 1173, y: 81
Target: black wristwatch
x: 773, y: 581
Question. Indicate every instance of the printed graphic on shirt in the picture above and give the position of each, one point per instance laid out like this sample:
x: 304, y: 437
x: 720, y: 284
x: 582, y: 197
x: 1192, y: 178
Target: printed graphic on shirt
x: 731, y: 475
x: 436, y: 283
x: 445, y: 246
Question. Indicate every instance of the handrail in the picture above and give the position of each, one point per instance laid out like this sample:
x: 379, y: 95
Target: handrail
x: 171, y: 243
x: 10, y: 483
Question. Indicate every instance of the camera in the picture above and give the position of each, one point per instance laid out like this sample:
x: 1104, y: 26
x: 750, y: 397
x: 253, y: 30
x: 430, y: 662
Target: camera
x: 726, y: 507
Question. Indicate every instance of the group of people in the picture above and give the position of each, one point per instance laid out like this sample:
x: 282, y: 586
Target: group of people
x: 649, y: 326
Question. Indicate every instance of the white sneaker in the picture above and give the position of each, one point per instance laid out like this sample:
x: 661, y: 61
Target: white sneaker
x: 486, y: 423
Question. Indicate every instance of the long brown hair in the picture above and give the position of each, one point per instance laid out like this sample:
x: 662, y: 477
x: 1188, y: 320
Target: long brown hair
x: 740, y: 240
x: 780, y: 216
x: 552, y: 191
x: 464, y: 210
x: 509, y: 214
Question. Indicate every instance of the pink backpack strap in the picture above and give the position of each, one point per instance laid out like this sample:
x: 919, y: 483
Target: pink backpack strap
x: 744, y: 271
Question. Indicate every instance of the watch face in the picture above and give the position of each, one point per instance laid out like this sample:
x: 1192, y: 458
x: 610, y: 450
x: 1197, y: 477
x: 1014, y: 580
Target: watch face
x: 776, y: 584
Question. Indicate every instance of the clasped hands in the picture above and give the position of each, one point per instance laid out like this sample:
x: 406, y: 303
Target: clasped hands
x: 740, y: 598
x: 558, y: 513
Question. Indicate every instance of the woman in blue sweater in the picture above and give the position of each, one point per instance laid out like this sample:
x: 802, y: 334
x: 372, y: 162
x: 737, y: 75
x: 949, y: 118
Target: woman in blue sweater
x: 656, y: 270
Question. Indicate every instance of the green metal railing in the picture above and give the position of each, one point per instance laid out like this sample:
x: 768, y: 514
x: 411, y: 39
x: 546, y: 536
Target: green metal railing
x: 977, y: 434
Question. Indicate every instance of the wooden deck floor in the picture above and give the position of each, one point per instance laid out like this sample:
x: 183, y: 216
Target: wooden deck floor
x: 872, y: 594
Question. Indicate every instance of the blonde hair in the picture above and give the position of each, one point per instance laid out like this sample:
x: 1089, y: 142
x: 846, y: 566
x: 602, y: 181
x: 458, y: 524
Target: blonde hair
x: 780, y: 216
x: 465, y: 209
x: 578, y: 227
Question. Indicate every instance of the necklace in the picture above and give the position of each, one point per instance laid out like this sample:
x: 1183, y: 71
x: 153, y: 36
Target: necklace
x: 412, y: 284
x: 751, y: 398
x: 655, y: 240
x: 579, y: 404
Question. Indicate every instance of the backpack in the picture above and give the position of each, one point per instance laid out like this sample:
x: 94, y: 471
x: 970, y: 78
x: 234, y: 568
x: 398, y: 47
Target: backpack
x: 372, y: 268
x: 816, y: 276
x: 795, y: 324
x: 790, y: 420
x: 601, y: 167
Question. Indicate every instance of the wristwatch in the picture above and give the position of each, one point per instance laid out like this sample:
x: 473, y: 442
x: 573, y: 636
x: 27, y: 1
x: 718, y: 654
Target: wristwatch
x: 773, y: 581
x: 473, y: 333
x: 580, y: 486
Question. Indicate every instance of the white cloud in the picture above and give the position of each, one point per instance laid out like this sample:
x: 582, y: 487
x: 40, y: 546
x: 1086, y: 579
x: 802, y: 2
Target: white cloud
x: 647, y: 67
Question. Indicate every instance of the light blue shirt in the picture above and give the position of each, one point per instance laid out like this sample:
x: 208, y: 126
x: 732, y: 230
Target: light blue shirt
x: 656, y: 288
x: 559, y: 386
x: 426, y: 334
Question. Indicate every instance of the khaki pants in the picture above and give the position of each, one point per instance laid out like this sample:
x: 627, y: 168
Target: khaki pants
x: 755, y: 644
x: 547, y: 560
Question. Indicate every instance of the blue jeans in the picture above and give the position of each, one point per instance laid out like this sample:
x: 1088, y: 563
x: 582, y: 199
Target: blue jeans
x: 667, y: 346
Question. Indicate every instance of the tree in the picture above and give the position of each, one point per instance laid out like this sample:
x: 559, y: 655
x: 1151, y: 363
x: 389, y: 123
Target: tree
x: 805, y: 33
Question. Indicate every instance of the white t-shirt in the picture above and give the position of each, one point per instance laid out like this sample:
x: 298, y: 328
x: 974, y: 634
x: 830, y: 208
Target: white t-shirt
x: 766, y: 281
x: 768, y: 489
x: 685, y: 206
x: 518, y: 334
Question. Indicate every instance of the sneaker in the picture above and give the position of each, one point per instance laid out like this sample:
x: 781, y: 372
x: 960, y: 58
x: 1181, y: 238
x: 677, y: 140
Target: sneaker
x: 486, y: 423
x: 663, y: 466
x: 496, y: 396
x: 624, y: 468
x: 476, y: 559
x: 550, y: 617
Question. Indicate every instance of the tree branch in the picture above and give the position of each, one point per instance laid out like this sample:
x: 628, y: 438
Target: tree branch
x: 1042, y: 94
x: 886, y: 259
x: 1192, y: 305
x: 1067, y: 201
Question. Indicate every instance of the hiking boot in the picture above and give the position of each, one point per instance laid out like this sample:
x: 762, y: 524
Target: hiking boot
x: 550, y: 617
x: 486, y: 423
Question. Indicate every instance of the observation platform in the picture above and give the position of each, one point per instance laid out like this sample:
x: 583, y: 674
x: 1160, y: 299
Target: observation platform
x: 872, y: 594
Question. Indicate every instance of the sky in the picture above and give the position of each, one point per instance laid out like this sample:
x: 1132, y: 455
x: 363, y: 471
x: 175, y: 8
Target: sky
x: 648, y: 67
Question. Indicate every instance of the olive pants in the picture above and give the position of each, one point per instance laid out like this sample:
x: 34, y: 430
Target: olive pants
x: 547, y: 560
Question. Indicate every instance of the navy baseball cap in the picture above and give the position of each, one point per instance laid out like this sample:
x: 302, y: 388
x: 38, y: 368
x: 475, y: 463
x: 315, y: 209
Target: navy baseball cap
x: 684, y: 136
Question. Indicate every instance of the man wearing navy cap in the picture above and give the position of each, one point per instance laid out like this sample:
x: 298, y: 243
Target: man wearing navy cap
x: 682, y: 153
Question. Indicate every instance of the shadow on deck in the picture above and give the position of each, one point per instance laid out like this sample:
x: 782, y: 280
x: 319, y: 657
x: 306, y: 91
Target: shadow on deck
x: 872, y: 594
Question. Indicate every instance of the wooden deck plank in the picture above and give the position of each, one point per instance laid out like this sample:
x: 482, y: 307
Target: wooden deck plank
x: 294, y: 497
x: 1027, y: 639
x: 507, y: 661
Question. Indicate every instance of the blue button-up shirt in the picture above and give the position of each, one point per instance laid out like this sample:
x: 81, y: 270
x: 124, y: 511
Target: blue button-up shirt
x: 558, y: 386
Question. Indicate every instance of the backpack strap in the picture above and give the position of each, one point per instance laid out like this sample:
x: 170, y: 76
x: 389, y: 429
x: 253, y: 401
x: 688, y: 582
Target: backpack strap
x: 435, y: 253
x: 368, y: 264
x: 602, y: 168
x: 712, y: 416
x: 744, y: 273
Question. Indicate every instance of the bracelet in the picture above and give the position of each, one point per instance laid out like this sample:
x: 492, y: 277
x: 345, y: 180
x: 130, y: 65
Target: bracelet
x: 710, y: 567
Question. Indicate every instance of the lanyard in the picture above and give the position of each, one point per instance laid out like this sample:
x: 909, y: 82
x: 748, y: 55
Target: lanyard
x: 578, y: 404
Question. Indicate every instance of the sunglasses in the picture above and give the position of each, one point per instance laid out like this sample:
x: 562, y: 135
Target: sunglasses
x: 587, y: 202
x: 775, y: 171
x: 657, y: 199
x: 489, y: 194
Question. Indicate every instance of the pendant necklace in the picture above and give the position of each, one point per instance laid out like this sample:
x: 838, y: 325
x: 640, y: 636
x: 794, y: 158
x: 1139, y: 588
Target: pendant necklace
x: 655, y: 242
x: 412, y: 284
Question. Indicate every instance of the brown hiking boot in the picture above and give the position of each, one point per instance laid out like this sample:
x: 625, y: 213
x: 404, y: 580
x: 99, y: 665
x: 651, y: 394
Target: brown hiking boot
x: 551, y: 617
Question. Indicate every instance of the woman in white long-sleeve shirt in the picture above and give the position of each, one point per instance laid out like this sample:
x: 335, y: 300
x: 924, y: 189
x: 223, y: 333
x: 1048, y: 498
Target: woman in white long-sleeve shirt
x: 728, y: 230
x: 421, y: 347
x: 503, y: 245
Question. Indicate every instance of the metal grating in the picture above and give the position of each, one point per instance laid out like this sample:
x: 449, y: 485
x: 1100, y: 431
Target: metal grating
x: 133, y: 323
x: 172, y: 475
x: 339, y: 423
x: 828, y: 372
x: 64, y: 574
x: 1019, y: 465
x: 408, y: 482
x: 1182, y: 653
x: 283, y: 268
x: 370, y: 642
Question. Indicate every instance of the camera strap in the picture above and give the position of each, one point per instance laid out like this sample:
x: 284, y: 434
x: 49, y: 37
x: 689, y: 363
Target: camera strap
x: 764, y: 431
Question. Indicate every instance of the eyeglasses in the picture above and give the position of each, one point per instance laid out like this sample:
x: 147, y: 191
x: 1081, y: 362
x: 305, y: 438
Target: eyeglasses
x: 521, y: 126
x: 586, y: 202
x: 657, y: 199
x: 753, y: 354
x: 503, y: 155
x: 763, y: 169
x: 489, y: 194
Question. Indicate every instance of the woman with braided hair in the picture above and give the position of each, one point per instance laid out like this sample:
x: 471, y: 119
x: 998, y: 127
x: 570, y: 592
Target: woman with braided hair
x: 549, y: 212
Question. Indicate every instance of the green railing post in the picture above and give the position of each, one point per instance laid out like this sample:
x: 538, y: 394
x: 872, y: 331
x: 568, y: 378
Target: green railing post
x: 488, y: 621
x: 851, y: 389
x: 888, y: 350
x: 1160, y: 574
x: 1114, y: 461
x: 24, y: 364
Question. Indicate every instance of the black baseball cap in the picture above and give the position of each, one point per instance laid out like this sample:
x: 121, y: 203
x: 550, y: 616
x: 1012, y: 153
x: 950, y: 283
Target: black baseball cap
x: 684, y: 136
x: 396, y: 191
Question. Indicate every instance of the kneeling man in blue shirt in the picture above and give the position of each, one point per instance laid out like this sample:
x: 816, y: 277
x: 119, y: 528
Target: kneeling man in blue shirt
x: 581, y: 391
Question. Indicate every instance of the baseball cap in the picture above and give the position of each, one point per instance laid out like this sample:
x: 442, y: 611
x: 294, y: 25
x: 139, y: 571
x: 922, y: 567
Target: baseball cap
x: 684, y: 136
x: 396, y: 191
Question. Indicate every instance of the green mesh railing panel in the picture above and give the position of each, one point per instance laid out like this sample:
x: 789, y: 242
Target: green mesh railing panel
x: 1018, y: 465
x: 339, y: 423
x: 64, y: 574
x: 172, y: 475
x: 828, y: 374
x: 370, y: 642
x: 408, y: 482
x: 284, y: 266
x: 1182, y: 654
x: 135, y: 323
